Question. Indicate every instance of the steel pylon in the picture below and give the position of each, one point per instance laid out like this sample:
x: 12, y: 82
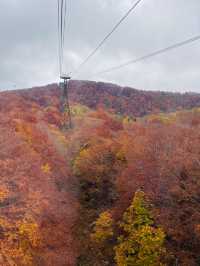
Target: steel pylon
x: 64, y: 104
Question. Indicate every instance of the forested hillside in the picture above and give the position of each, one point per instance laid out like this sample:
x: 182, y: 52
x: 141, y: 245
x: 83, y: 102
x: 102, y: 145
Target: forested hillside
x: 129, y: 101
x: 122, y: 100
x: 113, y: 190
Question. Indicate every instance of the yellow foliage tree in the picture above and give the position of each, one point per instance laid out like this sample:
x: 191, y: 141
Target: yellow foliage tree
x: 79, y: 110
x: 101, y: 240
x: 141, y: 244
x: 20, y: 243
x: 103, y: 229
x: 3, y: 193
x: 46, y: 168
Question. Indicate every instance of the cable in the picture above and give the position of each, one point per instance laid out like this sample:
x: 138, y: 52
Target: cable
x: 59, y: 40
x: 161, y: 51
x: 62, y: 10
x: 64, y: 29
x: 107, y: 36
x: 61, y: 30
x: 64, y: 26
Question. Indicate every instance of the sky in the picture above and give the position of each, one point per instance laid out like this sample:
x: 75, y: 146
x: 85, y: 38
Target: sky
x: 29, y: 43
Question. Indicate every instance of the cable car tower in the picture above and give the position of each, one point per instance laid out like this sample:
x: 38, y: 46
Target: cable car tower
x: 64, y: 103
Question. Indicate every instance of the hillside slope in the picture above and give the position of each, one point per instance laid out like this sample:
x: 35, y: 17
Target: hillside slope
x: 54, y: 185
x: 36, y: 180
x: 129, y: 101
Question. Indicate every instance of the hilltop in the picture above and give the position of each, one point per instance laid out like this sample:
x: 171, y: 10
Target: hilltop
x: 122, y: 100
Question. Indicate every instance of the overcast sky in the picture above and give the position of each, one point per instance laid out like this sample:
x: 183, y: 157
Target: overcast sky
x: 29, y: 42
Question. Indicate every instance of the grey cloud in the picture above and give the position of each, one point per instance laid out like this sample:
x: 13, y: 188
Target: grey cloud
x: 29, y: 49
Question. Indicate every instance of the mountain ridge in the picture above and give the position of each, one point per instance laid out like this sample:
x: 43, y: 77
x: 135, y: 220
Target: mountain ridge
x: 123, y: 100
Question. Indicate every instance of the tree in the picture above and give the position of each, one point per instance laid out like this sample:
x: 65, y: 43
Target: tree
x: 141, y: 244
x: 96, y: 166
x: 103, y: 229
x: 46, y: 168
x: 102, y: 240
x: 21, y: 242
x: 96, y: 161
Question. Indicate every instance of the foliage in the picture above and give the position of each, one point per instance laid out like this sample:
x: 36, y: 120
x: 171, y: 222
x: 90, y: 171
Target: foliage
x: 95, y: 165
x: 137, y: 214
x: 21, y: 242
x: 79, y: 110
x: 46, y: 168
x: 103, y: 229
x: 159, y: 154
x: 4, y: 192
x: 25, y: 129
x: 128, y: 120
x: 101, y: 240
x: 162, y: 118
x: 141, y: 244
x: 128, y: 101
x: 95, y: 161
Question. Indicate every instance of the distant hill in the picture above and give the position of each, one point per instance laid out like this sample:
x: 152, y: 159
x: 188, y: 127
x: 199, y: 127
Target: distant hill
x: 123, y: 100
x: 130, y: 101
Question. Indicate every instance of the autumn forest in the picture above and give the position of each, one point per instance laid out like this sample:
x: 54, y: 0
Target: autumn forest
x: 120, y: 188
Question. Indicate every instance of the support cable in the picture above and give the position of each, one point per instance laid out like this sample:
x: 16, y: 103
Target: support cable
x: 107, y: 36
x: 62, y: 9
x: 64, y: 24
x: 59, y: 37
x: 145, y: 57
x: 61, y: 30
